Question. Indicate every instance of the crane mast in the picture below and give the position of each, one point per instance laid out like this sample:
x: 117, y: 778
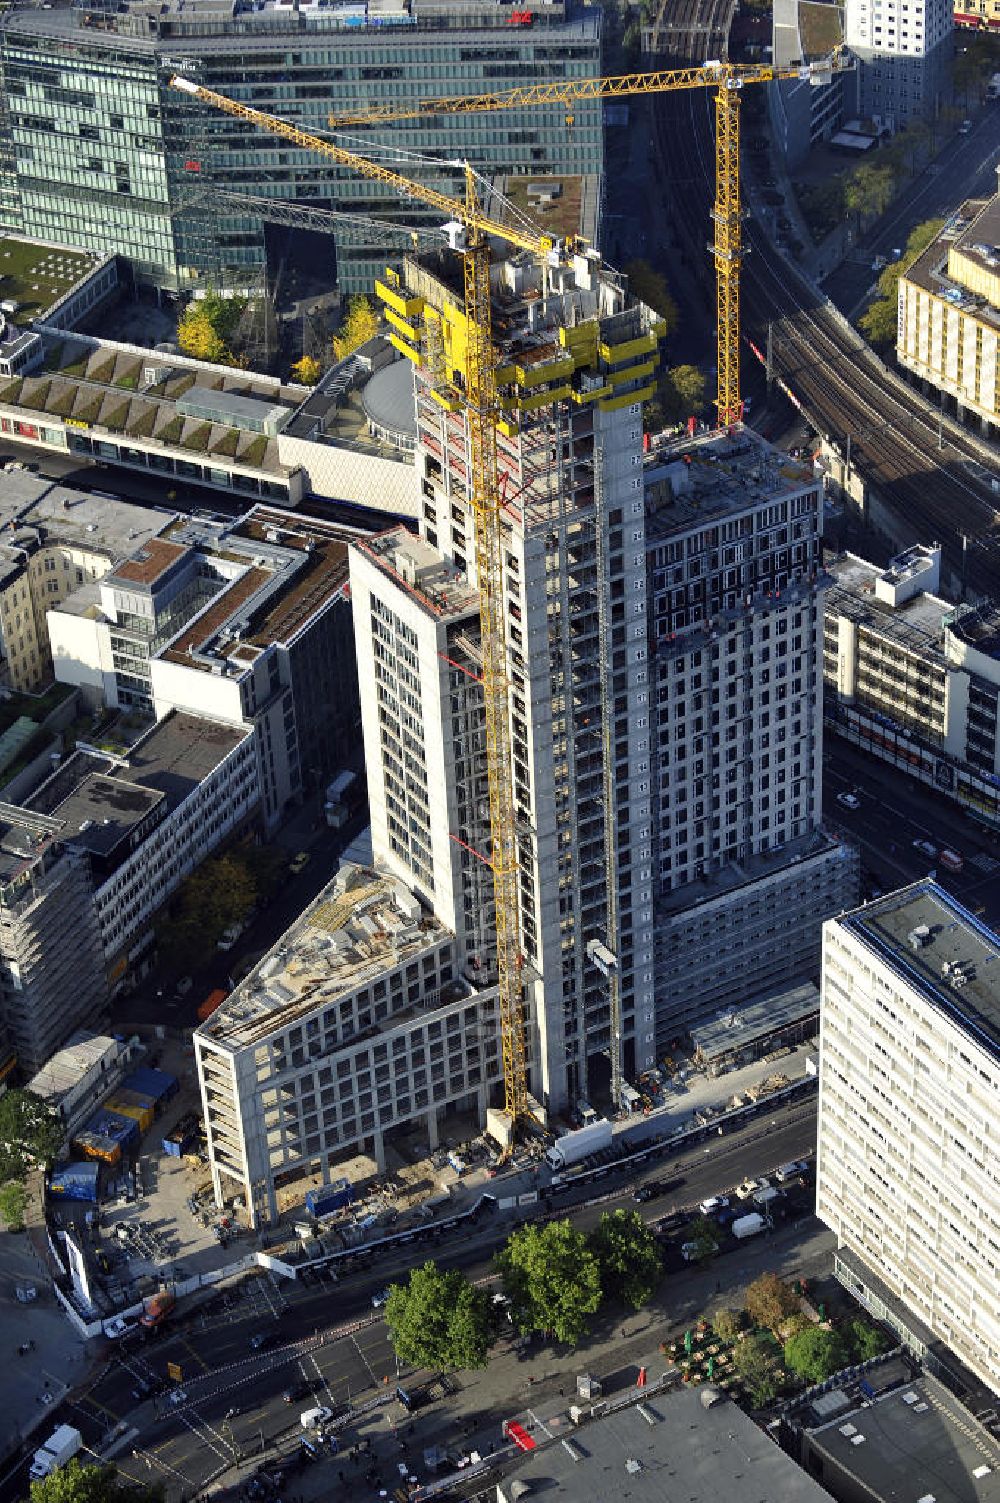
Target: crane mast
x: 482, y: 411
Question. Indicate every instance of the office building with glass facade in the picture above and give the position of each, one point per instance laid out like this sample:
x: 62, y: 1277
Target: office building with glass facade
x: 98, y: 150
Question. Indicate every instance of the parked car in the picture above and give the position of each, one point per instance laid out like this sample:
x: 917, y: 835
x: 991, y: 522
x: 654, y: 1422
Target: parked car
x: 184, y: 985
x: 379, y: 1299
x: 299, y: 863
x: 714, y: 1203
x: 646, y: 1193
x: 849, y: 800
x: 229, y: 936
x: 926, y: 849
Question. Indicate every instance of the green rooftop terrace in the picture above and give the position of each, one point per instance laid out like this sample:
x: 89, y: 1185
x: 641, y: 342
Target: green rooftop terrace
x: 36, y: 276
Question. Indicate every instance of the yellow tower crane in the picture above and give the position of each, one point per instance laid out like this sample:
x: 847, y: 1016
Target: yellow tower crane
x: 727, y: 79
x: 482, y: 407
x: 483, y: 412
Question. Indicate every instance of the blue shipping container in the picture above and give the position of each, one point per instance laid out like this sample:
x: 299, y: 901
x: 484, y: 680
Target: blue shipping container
x: 121, y: 1130
x: 154, y: 1083
x: 75, y: 1182
x: 331, y: 1198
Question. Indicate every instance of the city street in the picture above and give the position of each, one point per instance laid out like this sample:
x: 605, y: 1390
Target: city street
x: 894, y: 812
x: 966, y: 167
x: 327, y: 1334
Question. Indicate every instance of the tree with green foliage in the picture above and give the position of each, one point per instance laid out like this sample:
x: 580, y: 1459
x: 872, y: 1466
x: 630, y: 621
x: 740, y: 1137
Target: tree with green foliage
x: 439, y: 1320
x: 756, y: 1362
x: 627, y: 1256
x: 30, y: 1133
x: 553, y: 1280
x: 879, y: 321
x: 219, y: 893
x: 360, y: 324
x: 727, y: 1324
x: 632, y: 46
x: 651, y: 287
x: 704, y: 1234
x: 683, y: 389
x: 868, y: 190
x: 865, y: 1340
x: 815, y: 1354
x: 76, y: 1482
x: 770, y: 1301
x: 207, y: 327
x: 13, y: 1204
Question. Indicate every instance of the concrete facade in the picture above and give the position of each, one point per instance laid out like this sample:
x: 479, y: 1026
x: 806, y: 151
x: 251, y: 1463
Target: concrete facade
x: 903, y: 49
x: 906, y: 1166
x: 743, y: 875
x: 357, y: 1022
x: 914, y: 679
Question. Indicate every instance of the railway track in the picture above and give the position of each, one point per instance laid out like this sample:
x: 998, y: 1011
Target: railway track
x: 895, y: 435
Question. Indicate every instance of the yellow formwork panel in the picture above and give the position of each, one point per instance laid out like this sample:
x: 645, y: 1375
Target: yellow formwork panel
x: 508, y: 427
x: 542, y: 399
x: 548, y: 370
x: 594, y: 395
x: 582, y: 339
x: 408, y: 331
x: 632, y: 372
x: 406, y: 349
x: 645, y: 344
x: 642, y: 395
x: 445, y: 399
x: 407, y: 307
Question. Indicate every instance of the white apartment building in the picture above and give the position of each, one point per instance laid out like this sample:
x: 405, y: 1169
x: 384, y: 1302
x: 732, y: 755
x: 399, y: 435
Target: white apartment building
x: 245, y: 622
x: 907, y: 1164
x: 949, y: 312
x: 902, y: 48
x: 142, y: 823
x: 577, y: 363
x: 914, y: 679
x: 358, y: 1021
x: 742, y: 872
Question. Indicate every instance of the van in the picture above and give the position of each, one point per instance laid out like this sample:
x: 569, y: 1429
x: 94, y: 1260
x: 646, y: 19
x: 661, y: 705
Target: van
x: 311, y: 1419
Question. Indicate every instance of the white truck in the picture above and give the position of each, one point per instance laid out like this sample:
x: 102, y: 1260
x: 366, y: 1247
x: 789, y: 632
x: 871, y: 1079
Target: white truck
x: 574, y: 1146
x: 338, y: 795
x: 60, y: 1447
x: 748, y: 1226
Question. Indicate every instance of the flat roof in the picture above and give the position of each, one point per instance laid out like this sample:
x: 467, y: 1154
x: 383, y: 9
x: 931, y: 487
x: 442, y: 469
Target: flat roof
x: 915, y: 625
x: 64, y: 1071
x: 232, y: 404
x: 690, y: 481
x: 150, y: 563
x: 735, y: 874
x: 100, y: 799
x: 101, y: 810
x: 60, y: 512
x: 914, y: 1442
x: 37, y: 275
x: 663, y: 1448
x: 735, y: 1027
x: 954, y: 935
x: 438, y: 587
x: 361, y: 924
x: 978, y: 626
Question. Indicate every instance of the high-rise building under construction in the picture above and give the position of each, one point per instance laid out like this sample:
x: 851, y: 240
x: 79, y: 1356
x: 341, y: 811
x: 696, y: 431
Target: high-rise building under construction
x: 662, y: 626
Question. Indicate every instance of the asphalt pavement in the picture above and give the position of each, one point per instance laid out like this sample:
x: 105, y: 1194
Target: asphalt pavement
x: 327, y: 1335
x: 895, y: 811
x: 966, y: 167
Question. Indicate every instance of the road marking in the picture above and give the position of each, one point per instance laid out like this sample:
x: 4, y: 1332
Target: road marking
x: 541, y: 1425
x: 196, y: 1355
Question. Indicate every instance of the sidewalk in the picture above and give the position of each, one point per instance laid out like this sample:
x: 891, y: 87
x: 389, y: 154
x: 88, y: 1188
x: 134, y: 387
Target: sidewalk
x: 535, y: 1383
